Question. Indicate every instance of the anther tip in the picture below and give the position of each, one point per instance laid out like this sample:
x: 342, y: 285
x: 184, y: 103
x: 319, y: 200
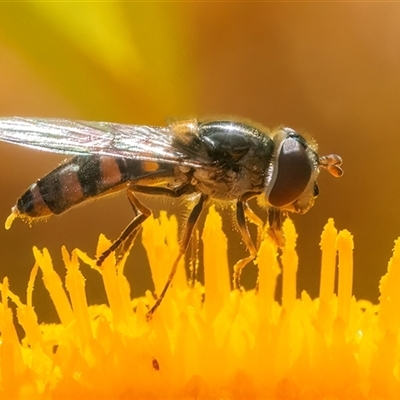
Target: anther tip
x: 10, y: 218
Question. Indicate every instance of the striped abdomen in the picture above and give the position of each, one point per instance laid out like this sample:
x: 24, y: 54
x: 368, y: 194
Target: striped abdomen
x: 83, y: 178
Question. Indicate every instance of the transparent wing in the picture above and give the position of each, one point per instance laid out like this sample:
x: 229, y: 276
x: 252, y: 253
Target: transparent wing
x: 84, y: 138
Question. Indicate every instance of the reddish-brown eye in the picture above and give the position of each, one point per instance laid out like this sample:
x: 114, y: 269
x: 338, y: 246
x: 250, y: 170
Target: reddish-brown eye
x: 293, y: 171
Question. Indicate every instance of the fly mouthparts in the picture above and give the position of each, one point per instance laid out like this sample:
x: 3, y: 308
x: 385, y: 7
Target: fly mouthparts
x: 332, y: 163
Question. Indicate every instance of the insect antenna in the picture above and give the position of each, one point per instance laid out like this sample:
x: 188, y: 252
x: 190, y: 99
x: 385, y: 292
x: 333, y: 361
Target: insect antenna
x: 332, y: 163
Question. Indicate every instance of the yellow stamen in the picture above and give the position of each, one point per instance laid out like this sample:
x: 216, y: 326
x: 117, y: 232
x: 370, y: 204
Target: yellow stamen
x: 206, y: 342
x: 10, y: 218
x: 289, y: 263
x: 54, y: 286
x: 328, y: 267
x: 344, y: 244
x: 216, y: 270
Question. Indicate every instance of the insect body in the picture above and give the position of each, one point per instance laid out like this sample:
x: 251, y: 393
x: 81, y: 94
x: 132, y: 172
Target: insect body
x: 225, y: 160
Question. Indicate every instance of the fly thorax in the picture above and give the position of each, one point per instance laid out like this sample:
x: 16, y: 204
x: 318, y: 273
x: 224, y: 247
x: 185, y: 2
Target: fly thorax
x: 216, y: 182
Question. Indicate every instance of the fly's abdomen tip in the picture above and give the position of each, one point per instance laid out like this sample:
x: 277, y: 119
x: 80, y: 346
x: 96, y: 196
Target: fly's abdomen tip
x: 11, y: 217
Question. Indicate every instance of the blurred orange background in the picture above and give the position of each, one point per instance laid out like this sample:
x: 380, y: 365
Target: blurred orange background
x: 329, y: 69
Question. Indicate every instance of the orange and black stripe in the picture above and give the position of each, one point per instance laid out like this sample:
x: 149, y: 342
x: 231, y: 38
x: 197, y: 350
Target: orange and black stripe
x: 83, y: 178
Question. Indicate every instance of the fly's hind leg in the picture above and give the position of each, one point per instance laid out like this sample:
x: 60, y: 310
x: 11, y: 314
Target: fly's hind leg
x: 126, y: 246
x: 190, y: 225
x: 128, y: 235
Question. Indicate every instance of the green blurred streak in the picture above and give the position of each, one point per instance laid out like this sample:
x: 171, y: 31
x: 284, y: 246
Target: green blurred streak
x: 107, y: 34
x: 113, y: 61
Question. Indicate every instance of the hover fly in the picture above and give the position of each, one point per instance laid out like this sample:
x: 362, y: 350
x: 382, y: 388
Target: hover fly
x: 210, y: 160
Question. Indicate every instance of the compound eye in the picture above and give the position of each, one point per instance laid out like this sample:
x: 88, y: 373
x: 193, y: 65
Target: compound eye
x: 293, y: 170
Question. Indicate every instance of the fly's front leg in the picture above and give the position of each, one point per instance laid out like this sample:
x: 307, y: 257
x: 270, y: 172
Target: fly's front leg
x: 257, y: 221
x: 276, y: 218
x: 129, y: 234
x: 190, y: 225
x: 243, y: 210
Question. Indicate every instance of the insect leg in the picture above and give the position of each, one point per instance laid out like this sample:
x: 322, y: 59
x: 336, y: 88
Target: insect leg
x: 130, y: 232
x: 125, y: 246
x: 125, y: 240
x: 194, y: 258
x: 276, y: 219
x: 257, y: 221
x: 242, y: 209
x: 190, y: 224
x: 163, y: 191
